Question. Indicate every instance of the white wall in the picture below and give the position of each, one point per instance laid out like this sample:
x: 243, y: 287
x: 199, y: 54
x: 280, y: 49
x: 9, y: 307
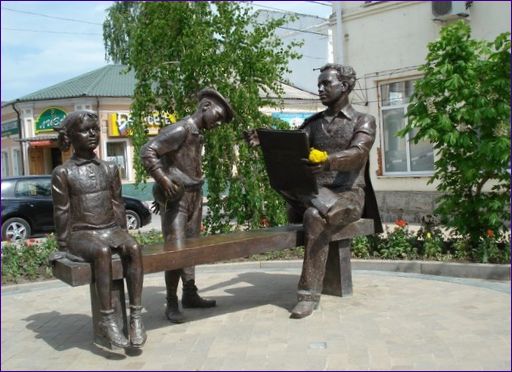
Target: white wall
x: 386, y: 41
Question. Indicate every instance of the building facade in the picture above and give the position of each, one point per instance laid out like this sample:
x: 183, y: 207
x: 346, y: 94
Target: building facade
x: 386, y: 42
x: 29, y: 143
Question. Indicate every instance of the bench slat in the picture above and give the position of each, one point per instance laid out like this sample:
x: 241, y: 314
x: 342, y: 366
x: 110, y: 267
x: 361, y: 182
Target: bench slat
x: 214, y: 248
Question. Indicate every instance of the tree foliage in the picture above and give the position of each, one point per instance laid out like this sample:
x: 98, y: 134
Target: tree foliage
x: 178, y: 48
x: 462, y: 106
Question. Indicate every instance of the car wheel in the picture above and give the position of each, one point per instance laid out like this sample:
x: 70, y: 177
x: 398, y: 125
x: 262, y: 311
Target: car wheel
x: 132, y: 220
x: 15, y: 229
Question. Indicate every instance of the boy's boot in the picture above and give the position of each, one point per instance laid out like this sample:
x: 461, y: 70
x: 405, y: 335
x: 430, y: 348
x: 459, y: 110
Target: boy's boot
x: 138, y: 334
x: 192, y: 299
x: 172, y: 311
x: 109, y: 329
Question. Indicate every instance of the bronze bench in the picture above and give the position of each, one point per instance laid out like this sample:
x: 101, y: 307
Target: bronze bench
x: 215, y: 248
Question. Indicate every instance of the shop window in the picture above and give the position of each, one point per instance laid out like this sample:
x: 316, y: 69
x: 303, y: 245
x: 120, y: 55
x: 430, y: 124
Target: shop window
x: 401, y: 155
x: 5, y: 164
x: 116, y: 153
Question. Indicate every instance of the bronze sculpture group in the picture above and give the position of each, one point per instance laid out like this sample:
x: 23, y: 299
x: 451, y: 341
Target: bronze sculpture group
x: 345, y: 190
x: 89, y: 212
x: 90, y: 223
x: 173, y: 159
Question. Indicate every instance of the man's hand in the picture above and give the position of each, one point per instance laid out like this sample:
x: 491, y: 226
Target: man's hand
x: 251, y: 137
x: 155, y: 207
x: 315, y: 168
x: 171, y: 188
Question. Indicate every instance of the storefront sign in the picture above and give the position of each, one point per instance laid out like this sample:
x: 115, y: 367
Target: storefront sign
x: 10, y: 128
x: 44, y: 143
x: 49, y: 119
x: 294, y: 119
x: 119, y: 123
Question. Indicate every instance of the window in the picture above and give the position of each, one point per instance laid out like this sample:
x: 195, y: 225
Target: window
x: 5, y: 164
x: 7, y: 188
x: 402, y: 156
x: 33, y: 188
x: 116, y: 153
x: 16, y: 162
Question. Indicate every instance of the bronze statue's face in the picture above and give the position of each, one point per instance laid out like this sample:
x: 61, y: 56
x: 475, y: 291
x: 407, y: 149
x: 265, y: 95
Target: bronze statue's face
x: 330, y: 89
x: 213, y: 116
x: 86, y: 135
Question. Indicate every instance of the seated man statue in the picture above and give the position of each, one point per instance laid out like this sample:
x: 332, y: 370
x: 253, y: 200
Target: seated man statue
x: 173, y: 159
x: 345, y: 192
x: 90, y: 223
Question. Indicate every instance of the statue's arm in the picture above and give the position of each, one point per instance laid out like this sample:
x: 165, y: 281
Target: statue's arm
x: 356, y: 155
x: 169, y: 139
x: 61, y: 207
x: 117, y: 199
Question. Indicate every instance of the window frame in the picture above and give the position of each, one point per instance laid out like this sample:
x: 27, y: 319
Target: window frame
x: 5, y: 164
x: 404, y: 106
x: 126, y: 160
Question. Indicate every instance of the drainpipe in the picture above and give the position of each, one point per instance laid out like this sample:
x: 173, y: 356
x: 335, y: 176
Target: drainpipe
x: 338, y: 10
x: 20, y: 136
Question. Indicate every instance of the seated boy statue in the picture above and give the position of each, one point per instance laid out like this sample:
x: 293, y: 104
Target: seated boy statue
x: 90, y: 223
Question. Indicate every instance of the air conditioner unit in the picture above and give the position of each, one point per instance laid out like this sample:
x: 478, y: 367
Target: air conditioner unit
x: 446, y: 10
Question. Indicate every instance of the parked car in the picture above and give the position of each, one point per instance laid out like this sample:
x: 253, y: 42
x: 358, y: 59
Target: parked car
x: 27, y: 208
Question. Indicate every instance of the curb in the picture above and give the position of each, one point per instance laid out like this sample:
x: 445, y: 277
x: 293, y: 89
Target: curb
x: 447, y: 269
x: 450, y: 269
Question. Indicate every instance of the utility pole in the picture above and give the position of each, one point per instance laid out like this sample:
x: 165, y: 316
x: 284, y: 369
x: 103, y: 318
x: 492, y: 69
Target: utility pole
x: 340, y: 38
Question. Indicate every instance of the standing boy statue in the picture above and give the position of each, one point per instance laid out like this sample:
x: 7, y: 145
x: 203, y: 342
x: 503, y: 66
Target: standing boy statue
x: 343, y: 179
x: 90, y: 223
x: 173, y: 159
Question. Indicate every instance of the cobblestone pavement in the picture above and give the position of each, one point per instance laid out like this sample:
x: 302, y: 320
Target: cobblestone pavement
x: 392, y: 322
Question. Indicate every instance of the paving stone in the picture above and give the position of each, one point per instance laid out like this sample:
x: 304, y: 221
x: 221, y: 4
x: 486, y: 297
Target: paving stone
x: 393, y: 321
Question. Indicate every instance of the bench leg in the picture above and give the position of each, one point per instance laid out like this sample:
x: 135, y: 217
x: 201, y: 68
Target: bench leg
x: 338, y: 271
x: 119, y: 305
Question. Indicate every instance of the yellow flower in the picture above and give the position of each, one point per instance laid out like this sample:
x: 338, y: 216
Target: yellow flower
x: 429, y: 235
x: 317, y: 156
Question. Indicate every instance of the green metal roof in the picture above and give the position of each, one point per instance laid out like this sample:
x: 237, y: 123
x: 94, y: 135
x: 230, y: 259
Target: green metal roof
x: 107, y: 81
x: 115, y: 81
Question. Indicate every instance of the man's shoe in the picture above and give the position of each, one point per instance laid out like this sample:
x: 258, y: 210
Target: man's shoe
x: 138, y: 334
x: 303, y: 309
x: 191, y: 299
x: 172, y: 310
x: 110, y: 331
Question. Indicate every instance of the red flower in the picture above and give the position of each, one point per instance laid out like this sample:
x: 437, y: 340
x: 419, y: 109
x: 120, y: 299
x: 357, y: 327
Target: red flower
x: 490, y: 233
x: 401, y: 223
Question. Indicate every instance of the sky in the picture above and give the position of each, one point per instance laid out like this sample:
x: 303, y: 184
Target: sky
x: 46, y: 42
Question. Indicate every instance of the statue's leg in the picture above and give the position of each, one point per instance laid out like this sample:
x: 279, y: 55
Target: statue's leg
x: 134, y: 274
x: 338, y: 276
x: 191, y: 298
x: 174, y: 220
x: 108, y: 325
x: 317, y: 238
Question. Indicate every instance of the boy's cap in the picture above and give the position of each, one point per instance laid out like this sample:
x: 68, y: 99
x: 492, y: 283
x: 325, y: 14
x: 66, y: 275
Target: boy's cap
x: 218, y: 98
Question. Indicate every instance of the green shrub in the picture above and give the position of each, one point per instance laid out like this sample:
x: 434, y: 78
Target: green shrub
x: 399, y: 243
x: 433, y: 247
x: 26, y: 260
x: 149, y: 237
x: 492, y: 250
x: 361, y: 247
